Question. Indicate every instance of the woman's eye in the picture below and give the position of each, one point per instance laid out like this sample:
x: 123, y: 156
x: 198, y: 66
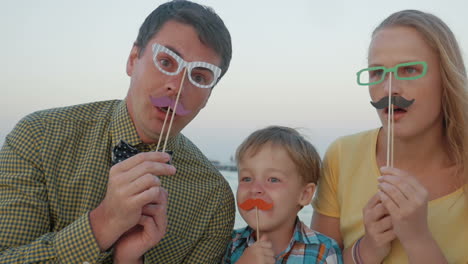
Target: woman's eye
x: 376, y: 73
x: 410, y: 70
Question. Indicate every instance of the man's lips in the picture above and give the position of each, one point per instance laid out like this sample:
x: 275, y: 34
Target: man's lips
x: 164, y: 103
x: 249, y: 204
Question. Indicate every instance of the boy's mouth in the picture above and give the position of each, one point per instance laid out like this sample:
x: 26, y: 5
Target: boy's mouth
x: 250, y: 204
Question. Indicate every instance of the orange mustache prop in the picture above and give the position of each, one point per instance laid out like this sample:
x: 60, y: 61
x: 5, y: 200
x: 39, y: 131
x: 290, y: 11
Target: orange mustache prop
x: 259, y: 203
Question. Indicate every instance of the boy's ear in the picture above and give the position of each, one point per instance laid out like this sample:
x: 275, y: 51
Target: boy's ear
x: 307, y: 194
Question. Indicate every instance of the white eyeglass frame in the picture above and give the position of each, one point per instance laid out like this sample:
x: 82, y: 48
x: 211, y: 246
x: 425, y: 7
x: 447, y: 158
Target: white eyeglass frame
x: 157, y: 48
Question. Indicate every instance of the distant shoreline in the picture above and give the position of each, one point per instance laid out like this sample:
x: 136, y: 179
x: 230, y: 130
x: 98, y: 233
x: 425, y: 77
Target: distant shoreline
x: 224, y: 167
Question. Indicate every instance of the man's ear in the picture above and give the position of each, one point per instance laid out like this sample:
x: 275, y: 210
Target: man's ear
x: 132, y: 58
x: 307, y: 194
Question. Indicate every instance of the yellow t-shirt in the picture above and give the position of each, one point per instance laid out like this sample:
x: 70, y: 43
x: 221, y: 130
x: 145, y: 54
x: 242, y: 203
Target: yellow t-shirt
x: 350, y: 180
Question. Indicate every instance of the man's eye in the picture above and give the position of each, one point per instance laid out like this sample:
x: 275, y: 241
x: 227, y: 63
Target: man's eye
x: 199, y: 79
x: 165, y: 63
x: 201, y: 76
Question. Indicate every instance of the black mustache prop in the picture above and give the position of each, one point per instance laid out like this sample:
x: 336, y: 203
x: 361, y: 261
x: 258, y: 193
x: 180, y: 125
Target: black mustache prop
x: 397, y: 101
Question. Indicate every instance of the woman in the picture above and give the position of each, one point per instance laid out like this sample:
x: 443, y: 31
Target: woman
x: 415, y: 211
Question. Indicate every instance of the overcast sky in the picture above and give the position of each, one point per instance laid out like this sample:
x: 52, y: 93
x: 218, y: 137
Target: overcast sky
x: 294, y: 62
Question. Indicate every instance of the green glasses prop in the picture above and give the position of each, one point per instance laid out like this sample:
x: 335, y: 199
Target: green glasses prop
x: 404, y: 71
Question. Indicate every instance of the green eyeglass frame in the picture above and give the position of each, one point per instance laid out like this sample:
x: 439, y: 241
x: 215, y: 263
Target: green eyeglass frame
x: 394, y: 70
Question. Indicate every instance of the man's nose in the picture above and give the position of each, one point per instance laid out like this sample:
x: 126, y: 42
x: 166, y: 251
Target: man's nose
x: 176, y: 82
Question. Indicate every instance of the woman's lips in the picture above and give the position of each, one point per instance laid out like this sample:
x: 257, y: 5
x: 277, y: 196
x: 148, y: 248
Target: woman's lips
x: 398, y: 113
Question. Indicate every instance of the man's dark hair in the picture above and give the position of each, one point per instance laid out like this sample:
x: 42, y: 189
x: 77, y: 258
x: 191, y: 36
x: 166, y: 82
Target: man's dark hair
x: 209, y: 26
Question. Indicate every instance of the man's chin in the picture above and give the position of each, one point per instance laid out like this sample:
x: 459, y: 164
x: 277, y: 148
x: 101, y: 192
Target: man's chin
x: 156, y: 131
x: 174, y: 132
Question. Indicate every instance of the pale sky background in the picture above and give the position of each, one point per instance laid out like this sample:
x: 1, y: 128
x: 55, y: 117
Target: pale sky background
x: 294, y: 62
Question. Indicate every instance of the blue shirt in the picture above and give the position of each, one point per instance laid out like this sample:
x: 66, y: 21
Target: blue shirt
x: 306, y: 246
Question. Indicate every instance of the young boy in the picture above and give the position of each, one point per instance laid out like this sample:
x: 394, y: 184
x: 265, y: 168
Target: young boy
x: 278, y: 171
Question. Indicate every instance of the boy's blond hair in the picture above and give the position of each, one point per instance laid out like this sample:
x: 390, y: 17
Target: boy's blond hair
x: 301, y: 151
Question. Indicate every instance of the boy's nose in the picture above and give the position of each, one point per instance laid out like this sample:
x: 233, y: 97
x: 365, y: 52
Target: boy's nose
x: 257, y: 188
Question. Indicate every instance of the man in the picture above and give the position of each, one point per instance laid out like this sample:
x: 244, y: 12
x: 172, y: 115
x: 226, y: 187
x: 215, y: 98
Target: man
x: 63, y: 200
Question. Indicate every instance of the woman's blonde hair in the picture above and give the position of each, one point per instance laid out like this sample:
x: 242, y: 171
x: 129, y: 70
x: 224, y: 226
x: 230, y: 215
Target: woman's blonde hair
x: 453, y: 75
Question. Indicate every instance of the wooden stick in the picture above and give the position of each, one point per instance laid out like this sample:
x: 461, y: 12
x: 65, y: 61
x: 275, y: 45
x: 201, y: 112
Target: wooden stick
x: 162, y: 129
x: 390, y: 124
x: 174, y: 110
x: 392, y: 137
x: 258, y: 227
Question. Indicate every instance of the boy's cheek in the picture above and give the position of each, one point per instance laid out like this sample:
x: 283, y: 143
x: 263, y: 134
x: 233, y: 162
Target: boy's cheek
x: 241, y: 193
x: 248, y: 217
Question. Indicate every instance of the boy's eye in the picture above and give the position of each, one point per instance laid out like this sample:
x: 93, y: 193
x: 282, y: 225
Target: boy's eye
x: 246, y: 179
x: 273, y: 180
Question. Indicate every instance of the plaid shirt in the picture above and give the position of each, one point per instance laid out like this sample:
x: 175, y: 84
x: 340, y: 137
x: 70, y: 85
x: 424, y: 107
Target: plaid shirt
x: 54, y: 169
x: 306, y: 246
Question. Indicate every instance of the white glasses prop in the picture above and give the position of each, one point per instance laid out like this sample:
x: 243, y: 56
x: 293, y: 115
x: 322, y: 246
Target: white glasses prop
x: 201, y: 74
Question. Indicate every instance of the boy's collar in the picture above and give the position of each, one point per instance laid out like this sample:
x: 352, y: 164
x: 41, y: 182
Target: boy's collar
x: 302, y: 234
